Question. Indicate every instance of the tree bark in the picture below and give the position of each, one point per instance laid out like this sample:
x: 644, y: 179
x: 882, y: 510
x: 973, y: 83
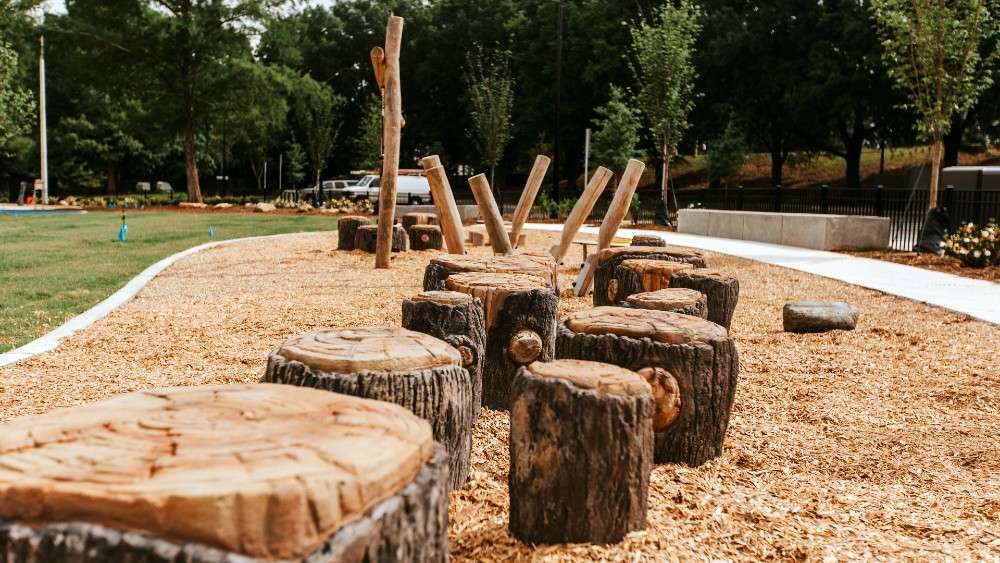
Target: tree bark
x: 440, y: 268
x: 347, y: 230
x: 648, y: 240
x: 675, y: 300
x: 191, y: 164
x: 688, y: 354
x: 426, y: 237
x: 721, y: 291
x: 953, y: 140
x: 637, y: 276
x: 391, y: 132
x: 410, y: 219
x: 366, y: 238
x: 932, y: 196
x: 609, y: 268
x: 410, y: 369
x: 853, y: 147
x: 457, y: 319
x: 581, y: 451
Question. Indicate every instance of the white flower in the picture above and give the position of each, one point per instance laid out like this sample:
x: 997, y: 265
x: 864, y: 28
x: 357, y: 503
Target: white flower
x: 966, y: 240
x: 942, y: 244
x: 987, y: 253
x: 977, y: 254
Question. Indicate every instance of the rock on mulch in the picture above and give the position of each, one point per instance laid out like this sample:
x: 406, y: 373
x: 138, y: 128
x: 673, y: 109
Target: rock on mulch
x: 819, y: 316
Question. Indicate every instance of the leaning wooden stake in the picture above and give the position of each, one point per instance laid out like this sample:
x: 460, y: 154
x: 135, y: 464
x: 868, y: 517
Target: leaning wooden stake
x: 491, y: 215
x: 528, y: 196
x: 444, y: 201
x: 612, y: 220
x: 392, y: 124
x: 580, y: 212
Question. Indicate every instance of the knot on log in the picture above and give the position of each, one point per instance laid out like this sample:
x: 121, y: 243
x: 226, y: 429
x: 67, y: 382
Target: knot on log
x: 613, y: 291
x: 467, y: 356
x: 666, y: 394
x: 525, y: 346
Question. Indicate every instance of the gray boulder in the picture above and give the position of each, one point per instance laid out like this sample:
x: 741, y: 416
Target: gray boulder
x: 819, y: 316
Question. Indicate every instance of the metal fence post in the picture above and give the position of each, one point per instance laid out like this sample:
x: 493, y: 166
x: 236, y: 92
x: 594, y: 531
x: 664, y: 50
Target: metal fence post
x: 949, y: 199
x: 824, y: 204
x: 879, y: 200
x: 739, y: 198
x: 777, y: 198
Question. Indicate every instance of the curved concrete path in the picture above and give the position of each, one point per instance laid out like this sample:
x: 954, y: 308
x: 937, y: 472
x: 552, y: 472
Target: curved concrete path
x: 977, y: 298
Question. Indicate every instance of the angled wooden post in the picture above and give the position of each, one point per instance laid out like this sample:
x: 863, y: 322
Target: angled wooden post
x: 391, y: 127
x: 444, y: 202
x: 491, y: 214
x: 528, y: 196
x: 580, y: 212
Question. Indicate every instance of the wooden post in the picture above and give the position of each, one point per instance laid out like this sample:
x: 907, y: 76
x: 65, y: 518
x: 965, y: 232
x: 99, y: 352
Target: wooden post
x: 528, y: 196
x: 612, y: 220
x: 580, y: 212
x: 444, y: 201
x: 425, y: 237
x: 650, y: 268
x: 347, y: 229
x: 491, y: 215
x: 391, y: 129
x: 722, y: 291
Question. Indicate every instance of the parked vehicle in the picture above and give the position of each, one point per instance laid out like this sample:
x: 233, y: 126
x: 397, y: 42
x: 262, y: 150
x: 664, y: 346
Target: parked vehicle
x: 410, y: 190
x: 331, y: 189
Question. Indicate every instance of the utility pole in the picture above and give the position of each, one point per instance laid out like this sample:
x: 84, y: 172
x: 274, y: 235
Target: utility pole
x: 281, y: 165
x: 559, y: 49
x: 43, y: 140
x: 586, y: 157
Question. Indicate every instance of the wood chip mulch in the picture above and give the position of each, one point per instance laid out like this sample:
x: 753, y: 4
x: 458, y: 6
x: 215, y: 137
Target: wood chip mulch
x: 879, y: 443
x: 945, y: 264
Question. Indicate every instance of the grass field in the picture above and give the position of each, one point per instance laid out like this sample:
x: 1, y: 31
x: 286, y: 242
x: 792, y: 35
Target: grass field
x: 54, y: 267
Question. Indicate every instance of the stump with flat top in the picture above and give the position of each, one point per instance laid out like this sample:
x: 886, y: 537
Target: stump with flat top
x: 690, y: 362
x: 426, y: 237
x: 581, y: 451
x: 676, y: 300
x: 609, y: 266
x: 410, y: 219
x: 412, y: 369
x: 347, y: 230
x: 367, y: 236
x: 521, y: 312
x: 648, y: 240
x: 722, y: 291
x: 639, y: 276
x: 223, y: 473
x: 542, y: 266
x: 457, y: 319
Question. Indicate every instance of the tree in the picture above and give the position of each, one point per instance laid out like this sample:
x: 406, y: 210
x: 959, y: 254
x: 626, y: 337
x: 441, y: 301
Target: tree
x: 17, y: 106
x: 932, y: 49
x: 726, y: 155
x: 368, y: 141
x: 616, y: 137
x: 314, y: 111
x: 664, y: 68
x: 295, y: 165
x: 491, y: 101
x: 260, y: 110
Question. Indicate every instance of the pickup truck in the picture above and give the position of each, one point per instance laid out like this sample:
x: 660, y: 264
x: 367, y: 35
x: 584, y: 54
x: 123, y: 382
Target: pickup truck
x: 410, y: 190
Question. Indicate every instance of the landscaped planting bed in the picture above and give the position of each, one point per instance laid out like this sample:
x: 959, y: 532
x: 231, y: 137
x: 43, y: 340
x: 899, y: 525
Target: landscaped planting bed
x: 880, y: 442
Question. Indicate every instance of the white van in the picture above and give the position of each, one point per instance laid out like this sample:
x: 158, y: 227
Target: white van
x: 410, y: 190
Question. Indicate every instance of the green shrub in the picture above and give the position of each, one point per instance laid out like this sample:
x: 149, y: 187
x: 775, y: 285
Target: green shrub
x: 974, y: 247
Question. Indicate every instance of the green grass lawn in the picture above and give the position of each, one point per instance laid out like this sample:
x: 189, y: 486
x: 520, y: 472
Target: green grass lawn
x: 57, y: 266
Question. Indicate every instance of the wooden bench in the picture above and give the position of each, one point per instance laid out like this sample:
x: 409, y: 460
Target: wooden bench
x: 586, y: 244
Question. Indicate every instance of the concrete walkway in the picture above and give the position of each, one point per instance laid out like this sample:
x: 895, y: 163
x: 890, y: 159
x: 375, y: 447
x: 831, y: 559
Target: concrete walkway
x: 977, y: 298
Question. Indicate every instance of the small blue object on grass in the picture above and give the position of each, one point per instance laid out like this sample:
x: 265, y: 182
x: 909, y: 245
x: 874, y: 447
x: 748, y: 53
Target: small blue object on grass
x: 211, y: 232
x: 123, y: 232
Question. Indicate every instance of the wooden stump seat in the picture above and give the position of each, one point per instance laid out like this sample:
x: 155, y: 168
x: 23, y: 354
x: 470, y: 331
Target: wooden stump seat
x: 609, y: 265
x: 722, y: 291
x: 677, y: 300
x: 426, y: 237
x: 581, y: 451
x: 648, y: 240
x: 640, y: 276
x: 441, y: 267
x: 222, y: 473
x: 691, y: 363
x: 410, y: 219
x: 347, y: 230
x: 412, y: 369
x: 367, y: 236
x: 521, y: 312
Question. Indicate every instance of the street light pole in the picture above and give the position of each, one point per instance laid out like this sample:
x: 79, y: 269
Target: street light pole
x: 559, y: 49
x: 43, y: 142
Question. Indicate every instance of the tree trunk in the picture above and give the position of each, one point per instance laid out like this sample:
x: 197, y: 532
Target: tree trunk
x: 609, y: 262
x: 239, y: 489
x: 191, y: 164
x: 366, y: 238
x: 953, y: 140
x: 347, y: 231
x: 457, y: 319
x: 426, y: 237
x: 521, y: 314
x: 676, y: 300
x: 777, y: 166
x: 637, y: 276
x: 936, y: 150
x: 410, y: 219
x: 853, y: 147
x: 648, y: 240
x: 395, y: 365
x: 686, y: 359
x: 721, y: 291
x: 665, y: 181
x: 441, y: 267
x: 581, y: 451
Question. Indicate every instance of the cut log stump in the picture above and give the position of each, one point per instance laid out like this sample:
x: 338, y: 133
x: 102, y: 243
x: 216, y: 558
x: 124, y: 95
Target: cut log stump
x: 410, y: 219
x: 224, y: 473
x: 411, y: 369
x: 521, y: 313
x: 676, y: 300
x: 639, y: 276
x: 609, y: 267
x: 459, y: 320
x: 581, y: 450
x: 648, y: 240
x: 542, y: 266
x: 690, y: 362
x: 367, y: 235
x: 722, y: 291
x: 426, y: 237
x: 347, y: 230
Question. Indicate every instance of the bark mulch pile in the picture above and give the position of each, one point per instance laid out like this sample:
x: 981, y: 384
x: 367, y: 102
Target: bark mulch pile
x: 882, y: 443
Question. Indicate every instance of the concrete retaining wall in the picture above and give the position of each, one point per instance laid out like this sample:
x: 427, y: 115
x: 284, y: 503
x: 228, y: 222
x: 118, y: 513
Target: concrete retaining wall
x: 806, y: 230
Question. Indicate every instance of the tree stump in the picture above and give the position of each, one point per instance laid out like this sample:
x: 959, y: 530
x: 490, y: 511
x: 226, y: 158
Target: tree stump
x: 639, y: 276
x: 426, y: 237
x: 347, y: 229
x: 677, y: 300
x: 410, y: 219
x: 542, y: 266
x: 411, y: 369
x: 723, y: 292
x: 648, y: 240
x: 459, y: 320
x: 687, y: 360
x: 581, y: 450
x: 223, y: 473
x: 521, y: 312
x: 367, y: 235
x: 609, y: 265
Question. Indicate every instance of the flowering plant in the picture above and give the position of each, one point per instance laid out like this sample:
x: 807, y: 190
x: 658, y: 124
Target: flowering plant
x: 975, y: 247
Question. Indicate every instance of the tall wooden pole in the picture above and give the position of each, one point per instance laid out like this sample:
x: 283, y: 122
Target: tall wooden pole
x: 528, y: 196
x: 391, y: 128
x: 444, y: 202
x: 580, y: 211
x: 491, y: 214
